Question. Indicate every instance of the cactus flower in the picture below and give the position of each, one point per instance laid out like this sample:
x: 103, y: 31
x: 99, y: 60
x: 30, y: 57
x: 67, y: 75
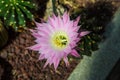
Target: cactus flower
x: 57, y: 38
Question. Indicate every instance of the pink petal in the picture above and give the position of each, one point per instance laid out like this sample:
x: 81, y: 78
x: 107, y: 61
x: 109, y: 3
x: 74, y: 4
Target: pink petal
x: 66, y: 61
x: 67, y: 50
x: 54, y: 16
x: 38, y: 24
x: 77, y: 39
x: 42, y: 20
x: 33, y: 31
x: 68, y: 27
x: 76, y: 21
x: 75, y: 29
x: 41, y: 56
x: 60, y: 22
x: 66, y: 17
x: 46, y: 51
x: 43, y: 33
x: 35, y: 47
x: 73, y: 44
x: 73, y: 35
x: 75, y: 53
x: 56, y: 62
x: 84, y: 33
x: 36, y: 35
x: 42, y: 40
x: 46, y: 64
x: 51, y: 21
x: 51, y: 28
x: 53, y: 57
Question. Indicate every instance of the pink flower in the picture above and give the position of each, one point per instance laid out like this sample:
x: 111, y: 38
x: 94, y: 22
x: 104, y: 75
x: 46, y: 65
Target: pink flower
x: 57, y: 38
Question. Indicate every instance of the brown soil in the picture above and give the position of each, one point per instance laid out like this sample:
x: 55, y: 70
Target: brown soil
x: 1, y: 71
x: 25, y: 63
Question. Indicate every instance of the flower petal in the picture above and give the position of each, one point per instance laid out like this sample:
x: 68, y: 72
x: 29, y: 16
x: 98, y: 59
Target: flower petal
x: 75, y: 53
x: 66, y: 17
x: 67, y: 50
x: 66, y: 61
x: 38, y: 24
x: 84, y: 33
x: 35, y: 47
x: 52, y: 59
x: 36, y: 35
x: 56, y: 62
x: 47, y: 62
x: 42, y: 56
x: 51, y: 22
x: 76, y: 21
x: 60, y: 22
x: 73, y: 44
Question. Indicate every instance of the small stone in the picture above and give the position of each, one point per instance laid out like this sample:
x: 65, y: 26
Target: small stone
x: 3, y: 54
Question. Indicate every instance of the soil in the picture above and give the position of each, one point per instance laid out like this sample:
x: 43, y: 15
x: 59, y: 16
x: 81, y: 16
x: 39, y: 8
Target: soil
x: 25, y: 63
x: 1, y: 72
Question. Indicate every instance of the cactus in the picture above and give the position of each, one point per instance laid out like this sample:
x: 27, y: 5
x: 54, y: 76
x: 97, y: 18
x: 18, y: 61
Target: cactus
x: 3, y: 35
x: 15, y: 12
x: 74, y: 6
x: 94, y: 18
x: 52, y: 6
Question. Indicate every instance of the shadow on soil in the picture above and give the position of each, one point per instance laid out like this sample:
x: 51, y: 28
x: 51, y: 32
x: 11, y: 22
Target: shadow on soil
x: 115, y: 72
x: 7, y: 70
x: 11, y: 37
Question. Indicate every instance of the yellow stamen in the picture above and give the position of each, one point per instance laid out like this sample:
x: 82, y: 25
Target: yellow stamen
x: 59, y: 40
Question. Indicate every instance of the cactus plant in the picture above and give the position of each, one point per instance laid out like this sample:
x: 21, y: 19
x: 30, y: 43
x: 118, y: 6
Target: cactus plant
x: 75, y: 5
x: 52, y: 6
x: 94, y: 18
x: 3, y: 35
x: 15, y: 12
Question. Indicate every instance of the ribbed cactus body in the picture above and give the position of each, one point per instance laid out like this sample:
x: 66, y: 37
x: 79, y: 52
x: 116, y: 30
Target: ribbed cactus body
x: 15, y: 12
x: 53, y: 7
x: 3, y: 35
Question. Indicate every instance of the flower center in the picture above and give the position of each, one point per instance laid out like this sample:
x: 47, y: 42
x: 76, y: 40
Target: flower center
x: 60, y: 40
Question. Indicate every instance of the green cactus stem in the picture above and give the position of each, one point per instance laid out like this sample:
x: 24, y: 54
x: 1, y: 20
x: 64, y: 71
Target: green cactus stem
x: 16, y: 12
x: 3, y: 35
x: 94, y: 18
x: 53, y: 7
